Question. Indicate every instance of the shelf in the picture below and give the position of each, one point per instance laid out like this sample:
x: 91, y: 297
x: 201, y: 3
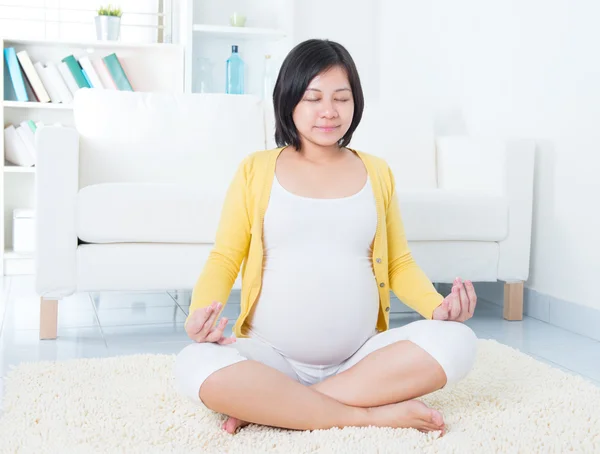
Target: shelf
x: 37, y: 105
x: 219, y: 31
x: 12, y: 255
x: 18, y: 169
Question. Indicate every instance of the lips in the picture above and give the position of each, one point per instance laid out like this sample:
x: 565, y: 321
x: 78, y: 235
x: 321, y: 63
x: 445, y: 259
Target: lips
x: 326, y: 128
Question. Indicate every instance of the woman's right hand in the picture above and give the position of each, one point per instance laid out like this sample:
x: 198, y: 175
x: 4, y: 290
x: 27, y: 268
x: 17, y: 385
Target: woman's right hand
x: 201, y: 326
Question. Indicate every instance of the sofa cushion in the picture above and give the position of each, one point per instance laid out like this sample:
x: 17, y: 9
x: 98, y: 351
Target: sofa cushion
x: 147, y: 212
x: 165, y: 137
x: 444, y: 215
x: 178, y: 213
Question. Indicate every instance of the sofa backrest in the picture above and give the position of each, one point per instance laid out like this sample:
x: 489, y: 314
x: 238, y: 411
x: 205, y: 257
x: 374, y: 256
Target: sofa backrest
x: 200, y: 139
x: 195, y: 139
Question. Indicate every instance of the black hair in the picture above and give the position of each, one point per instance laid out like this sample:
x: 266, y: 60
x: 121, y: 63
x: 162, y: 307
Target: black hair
x: 304, y: 62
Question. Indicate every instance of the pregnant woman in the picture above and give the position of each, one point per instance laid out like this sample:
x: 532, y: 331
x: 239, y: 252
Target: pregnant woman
x: 318, y: 230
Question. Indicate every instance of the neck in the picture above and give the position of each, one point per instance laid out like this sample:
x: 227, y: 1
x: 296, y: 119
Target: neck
x: 320, y: 154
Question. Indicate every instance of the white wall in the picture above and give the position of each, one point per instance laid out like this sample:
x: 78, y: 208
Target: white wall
x: 528, y: 68
x: 395, y: 75
x: 508, y: 68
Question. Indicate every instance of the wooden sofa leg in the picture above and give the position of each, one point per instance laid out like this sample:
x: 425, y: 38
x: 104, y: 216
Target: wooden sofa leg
x: 513, y: 301
x: 48, y: 318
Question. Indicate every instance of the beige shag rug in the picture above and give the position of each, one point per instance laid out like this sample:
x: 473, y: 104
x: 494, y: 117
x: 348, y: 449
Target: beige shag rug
x: 509, y: 403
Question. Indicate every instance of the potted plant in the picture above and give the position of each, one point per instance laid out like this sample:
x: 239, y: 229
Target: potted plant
x: 108, y: 23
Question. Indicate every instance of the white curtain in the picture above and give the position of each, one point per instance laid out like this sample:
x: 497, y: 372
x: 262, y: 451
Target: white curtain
x: 74, y: 19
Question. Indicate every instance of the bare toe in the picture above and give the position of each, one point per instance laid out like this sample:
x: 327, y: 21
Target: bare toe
x: 230, y: 425
x: 233, y: 424
x: 436, y: 418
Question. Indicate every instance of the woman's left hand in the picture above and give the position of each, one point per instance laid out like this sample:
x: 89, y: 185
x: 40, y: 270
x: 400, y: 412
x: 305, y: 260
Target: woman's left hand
x: 459, y: 305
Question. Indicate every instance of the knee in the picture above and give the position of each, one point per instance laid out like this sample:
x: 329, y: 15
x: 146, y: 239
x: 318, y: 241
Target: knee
x: 453, y: 345
x: 191, y: 367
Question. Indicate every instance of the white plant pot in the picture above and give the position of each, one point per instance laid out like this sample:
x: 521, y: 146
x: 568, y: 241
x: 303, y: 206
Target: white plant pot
x: 108, y: 28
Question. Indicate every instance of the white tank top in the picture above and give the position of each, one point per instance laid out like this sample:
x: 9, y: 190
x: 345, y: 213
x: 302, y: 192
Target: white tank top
x: 319, y: 299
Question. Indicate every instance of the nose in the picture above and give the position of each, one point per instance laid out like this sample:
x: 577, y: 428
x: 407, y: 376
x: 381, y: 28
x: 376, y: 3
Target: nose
x: 328, y: 110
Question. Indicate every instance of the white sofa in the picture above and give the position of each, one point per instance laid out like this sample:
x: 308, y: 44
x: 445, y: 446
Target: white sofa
x: 130, y: 199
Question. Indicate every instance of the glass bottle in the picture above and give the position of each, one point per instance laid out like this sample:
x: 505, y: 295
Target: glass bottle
x: 203, y: 76
x: 234, y: 73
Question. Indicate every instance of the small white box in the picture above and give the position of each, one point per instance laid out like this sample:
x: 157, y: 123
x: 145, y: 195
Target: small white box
x: 23, y: 230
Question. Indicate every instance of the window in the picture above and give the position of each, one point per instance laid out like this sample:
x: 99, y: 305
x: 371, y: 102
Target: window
x: 142, y: 21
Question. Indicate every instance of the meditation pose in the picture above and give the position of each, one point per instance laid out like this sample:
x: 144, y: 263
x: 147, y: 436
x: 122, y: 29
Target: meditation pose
x: 316, y: 229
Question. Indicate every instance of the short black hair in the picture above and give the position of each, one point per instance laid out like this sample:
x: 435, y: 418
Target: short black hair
x: 304, y: 62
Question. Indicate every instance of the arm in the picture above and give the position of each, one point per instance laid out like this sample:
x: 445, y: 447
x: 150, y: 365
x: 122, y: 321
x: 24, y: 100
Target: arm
x: 407, y: 280
x: 231, y: 247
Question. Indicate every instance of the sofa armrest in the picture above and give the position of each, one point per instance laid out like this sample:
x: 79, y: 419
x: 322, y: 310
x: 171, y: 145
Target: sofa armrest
x: 495, y: 167
x: 515, y: 249
x: 57, y: 184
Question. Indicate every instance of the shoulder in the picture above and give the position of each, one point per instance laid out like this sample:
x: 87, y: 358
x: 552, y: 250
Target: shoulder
x: 260, y: 159
x: 376, y: 164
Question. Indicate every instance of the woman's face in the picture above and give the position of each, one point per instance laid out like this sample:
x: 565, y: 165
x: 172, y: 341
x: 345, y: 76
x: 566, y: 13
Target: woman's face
x: 325, y: 111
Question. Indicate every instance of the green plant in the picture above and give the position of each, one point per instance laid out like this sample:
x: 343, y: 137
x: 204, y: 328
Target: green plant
x: 109, y: 10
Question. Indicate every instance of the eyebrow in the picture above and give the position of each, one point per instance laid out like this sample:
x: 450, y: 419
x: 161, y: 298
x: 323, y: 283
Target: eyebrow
x: 339, y: 89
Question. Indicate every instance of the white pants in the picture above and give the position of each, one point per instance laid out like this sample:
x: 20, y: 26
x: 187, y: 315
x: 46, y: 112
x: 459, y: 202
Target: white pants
x: 453, y: 345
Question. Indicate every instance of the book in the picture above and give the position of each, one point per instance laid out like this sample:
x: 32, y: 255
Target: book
x: 15, y: 150
x: 76, y: 71
x: 29, y: 145
x: 24, y: 130
x: 16, y: 76
x: 9, y: 91
x: 87, y: 79
x: 89, y: 70
x: 68, y: 77
x: 32, y: 75
x: 59, y: 83
x: 117, y: 72
x: 104, y: 75
x: 50, y: 88
x: 31, y: 125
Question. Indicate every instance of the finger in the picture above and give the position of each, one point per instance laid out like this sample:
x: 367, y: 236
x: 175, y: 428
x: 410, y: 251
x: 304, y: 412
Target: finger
x: 227, y: 340
x: 217, y: 332
x: 455, y: 308
x: 198, y: 319
x: 208, y: 325
x: 472, y: 296
x: 464, y: 302
x: 447, y: 305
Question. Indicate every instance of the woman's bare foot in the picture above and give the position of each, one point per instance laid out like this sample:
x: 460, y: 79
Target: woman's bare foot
x: 409, y: 414
x: 232, y: 424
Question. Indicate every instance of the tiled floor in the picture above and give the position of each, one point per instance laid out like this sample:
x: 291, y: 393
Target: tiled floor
x: 110, y: 324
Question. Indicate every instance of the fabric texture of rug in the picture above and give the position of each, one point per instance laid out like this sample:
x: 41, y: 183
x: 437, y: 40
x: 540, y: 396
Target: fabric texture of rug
x: 509, y: 403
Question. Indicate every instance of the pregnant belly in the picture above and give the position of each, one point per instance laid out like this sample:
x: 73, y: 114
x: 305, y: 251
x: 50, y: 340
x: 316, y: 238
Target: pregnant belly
x: 317, y: 316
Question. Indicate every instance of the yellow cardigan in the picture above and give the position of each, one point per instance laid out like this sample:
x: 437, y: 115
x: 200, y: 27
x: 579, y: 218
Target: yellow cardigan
x: 240, y: 240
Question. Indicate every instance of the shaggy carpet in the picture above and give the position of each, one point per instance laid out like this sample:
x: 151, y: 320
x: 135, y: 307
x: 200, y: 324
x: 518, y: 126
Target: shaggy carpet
x: 509, y: 403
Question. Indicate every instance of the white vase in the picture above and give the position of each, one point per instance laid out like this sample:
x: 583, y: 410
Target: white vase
x: 108, y: 28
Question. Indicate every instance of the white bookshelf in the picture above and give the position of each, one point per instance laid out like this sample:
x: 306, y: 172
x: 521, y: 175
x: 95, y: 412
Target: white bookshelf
x: 35, y: 105
x: 149, y: 67
x: 203, y: 27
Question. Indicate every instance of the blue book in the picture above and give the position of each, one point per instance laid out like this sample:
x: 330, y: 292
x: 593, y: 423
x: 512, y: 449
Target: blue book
x: 85, y: 76
x: 9, y: 91
x: 117, y: 72
x: 16, y: 76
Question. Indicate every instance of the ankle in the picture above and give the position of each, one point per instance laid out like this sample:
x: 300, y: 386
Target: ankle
x: 361, y: 417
